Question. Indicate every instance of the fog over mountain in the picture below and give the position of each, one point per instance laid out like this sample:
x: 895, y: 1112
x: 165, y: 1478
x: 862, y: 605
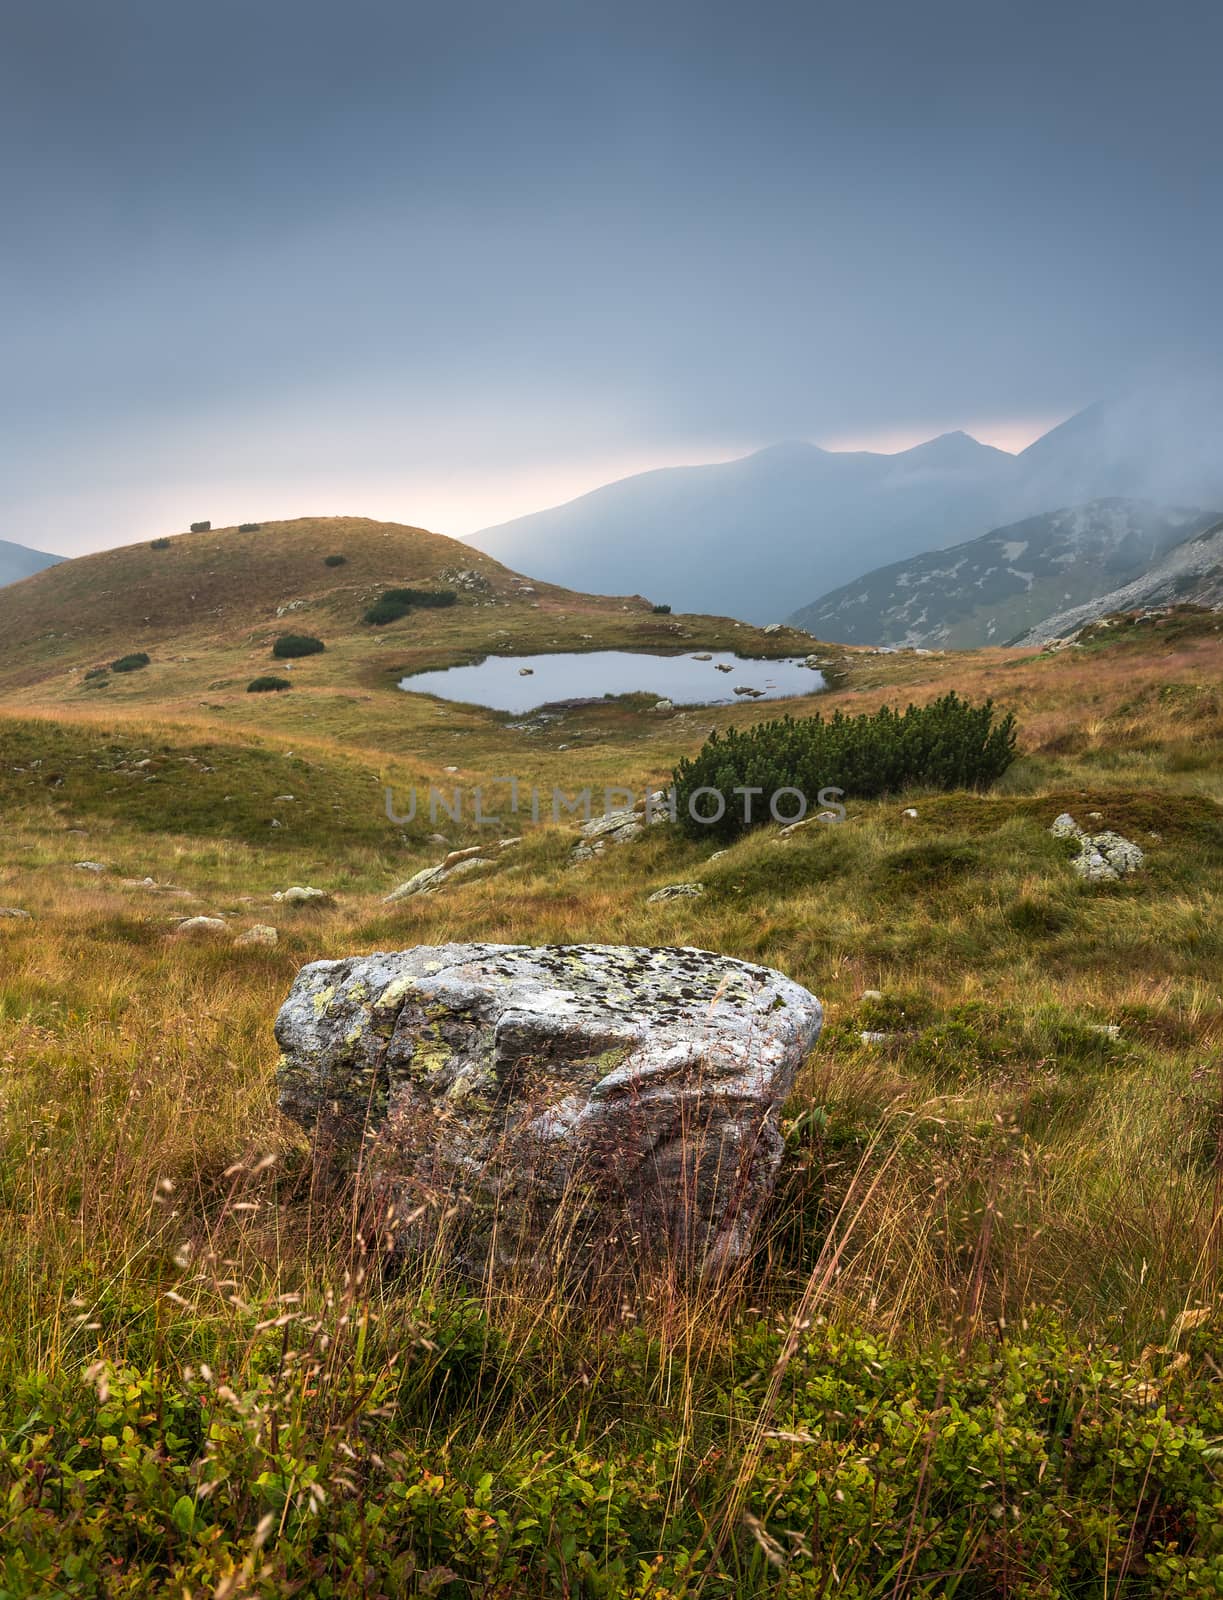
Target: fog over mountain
x: 988, y: 590
x: 790, y: 523
x: 18, y: 562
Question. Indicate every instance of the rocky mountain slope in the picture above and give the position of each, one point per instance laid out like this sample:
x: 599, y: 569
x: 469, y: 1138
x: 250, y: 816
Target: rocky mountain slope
x: 987, y: 590
x: 1192, y: 572
x: 17, y: 562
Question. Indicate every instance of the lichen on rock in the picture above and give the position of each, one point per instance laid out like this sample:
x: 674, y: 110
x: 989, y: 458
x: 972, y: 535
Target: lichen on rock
x: 601, y: 1103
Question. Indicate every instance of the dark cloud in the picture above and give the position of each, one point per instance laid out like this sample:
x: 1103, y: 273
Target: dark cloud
x: 393, y: 251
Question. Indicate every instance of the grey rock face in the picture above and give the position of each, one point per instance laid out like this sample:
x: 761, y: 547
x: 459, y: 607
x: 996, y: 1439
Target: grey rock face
x: 595, y: 1103
x: 676, y: 891
x: 1103, y: 857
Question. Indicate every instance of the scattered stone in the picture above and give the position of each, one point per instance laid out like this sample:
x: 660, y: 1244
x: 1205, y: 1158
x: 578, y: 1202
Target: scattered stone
x: 91, y: 866
x: 704, y: 656
x: 200, y: 928
x: 774, y: 627
x: 1103, y: 857
x: 676, y: 891
x: 455, y: 856
x: 664, y: 708
x: 261, y: 934
x: 1108, y: 1030
x: 303, y: 895
x: 870, y: 1037
x: 526, y: 672
x: 481, y: 1088
x: 723, y: 666
x: 909, y: 811
x: 618, y: 827
x: 14, y: 914
x: 871, y: 994
x: 138, y: 883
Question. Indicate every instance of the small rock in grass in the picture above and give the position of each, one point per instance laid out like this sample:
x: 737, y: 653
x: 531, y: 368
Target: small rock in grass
x: 13, y: 913
x: 261, y: 934
x: 871, y: 994
x: 303, y: 895
x: 869, y: 1037
x: 676, y: 891
x: 909, y: 811
x: 200, y: 928
x: 91, y: 866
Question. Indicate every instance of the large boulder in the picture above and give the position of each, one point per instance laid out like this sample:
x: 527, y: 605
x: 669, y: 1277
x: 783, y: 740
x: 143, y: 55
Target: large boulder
x: 593, y: 1102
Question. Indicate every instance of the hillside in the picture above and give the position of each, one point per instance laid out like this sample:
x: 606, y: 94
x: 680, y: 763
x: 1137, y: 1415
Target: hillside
x: 757, y: 535
x: 989, y: 589
x: 1191, y: 573
x: 17, y: 562
x: 993, y: 1239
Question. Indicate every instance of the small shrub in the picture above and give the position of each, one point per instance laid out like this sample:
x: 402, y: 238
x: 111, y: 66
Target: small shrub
x: 267, y: 684
x: 290, y: 646
x: 160, y: 544
x: 249, y: 527
x: 201, y: 527
x: 131, y: 663
x: 96, y: 672
x: 334, y: 561
x: 661, y: 611
x: 948, y: 744
x: 392, y: 604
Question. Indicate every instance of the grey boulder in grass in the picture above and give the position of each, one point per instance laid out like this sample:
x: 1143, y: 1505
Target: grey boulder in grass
x: 602, y: 1104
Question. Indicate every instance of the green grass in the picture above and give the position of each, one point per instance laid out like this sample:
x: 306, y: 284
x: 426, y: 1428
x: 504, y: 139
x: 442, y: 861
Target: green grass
x: 957, y: 1364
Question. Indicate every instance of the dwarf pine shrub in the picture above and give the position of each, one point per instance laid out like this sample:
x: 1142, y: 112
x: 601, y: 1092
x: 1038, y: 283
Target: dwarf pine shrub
x: 267, y: 684
x: 249, y: 527
x: 392, y: 604
x: 334, y: 561
x: 948, y: 744
x: 131, y: 663
x: 160, y: 544
x: 291, y: 645
x: 200, y: 527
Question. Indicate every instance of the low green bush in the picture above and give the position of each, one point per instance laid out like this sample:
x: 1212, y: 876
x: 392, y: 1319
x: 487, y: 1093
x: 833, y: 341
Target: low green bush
x: 948, y: 744
x: 392, y: 604
x: 96, y: 672
x: 661, y: 611
x: 200, y: 527
x: 131, y: 663
x: 289, y: 646
x: 160, y: 544
x: 249, y: 527
x: 267, y: 684
x: 334, y: 561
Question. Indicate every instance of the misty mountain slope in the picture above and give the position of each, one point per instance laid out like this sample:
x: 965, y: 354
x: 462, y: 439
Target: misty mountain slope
x: 17, y: 562
x: 754, y: 537
x: 1190, y: 572
x: 987, y: 590
x: 747, y: 536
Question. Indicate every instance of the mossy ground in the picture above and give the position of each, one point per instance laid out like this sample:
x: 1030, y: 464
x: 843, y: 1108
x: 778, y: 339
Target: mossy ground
x: 960, y: 1364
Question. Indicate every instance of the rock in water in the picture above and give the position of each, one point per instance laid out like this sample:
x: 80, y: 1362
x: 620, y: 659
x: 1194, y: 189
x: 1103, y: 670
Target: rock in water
x: 598, y: 1103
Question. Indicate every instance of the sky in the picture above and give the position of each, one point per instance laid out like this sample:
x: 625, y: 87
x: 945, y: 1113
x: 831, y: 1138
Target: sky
x: 450, y: 264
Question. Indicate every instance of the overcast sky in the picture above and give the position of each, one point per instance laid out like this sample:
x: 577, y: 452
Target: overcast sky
x: 451, y: 263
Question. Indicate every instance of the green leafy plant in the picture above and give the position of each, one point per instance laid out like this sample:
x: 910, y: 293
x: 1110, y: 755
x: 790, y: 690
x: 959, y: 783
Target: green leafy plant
x: 130, y: 663
x: 160, y: 544
x: 267, y: 684
x: 947, y: 744
x: 289, y: 646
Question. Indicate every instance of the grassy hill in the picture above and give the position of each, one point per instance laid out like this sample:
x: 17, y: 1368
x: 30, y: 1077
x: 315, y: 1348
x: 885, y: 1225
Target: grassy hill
x: 979, y: 1349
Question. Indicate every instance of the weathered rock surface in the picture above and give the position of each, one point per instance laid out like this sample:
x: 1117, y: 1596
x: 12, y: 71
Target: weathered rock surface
x: 591, y: 1101
x: 262, y: 933
x: 676, y: 891
x: 302, y: 894
x: 14, y: 914
x: 618, y: 827
x: 1103, y: 857
x: 201, y: 928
